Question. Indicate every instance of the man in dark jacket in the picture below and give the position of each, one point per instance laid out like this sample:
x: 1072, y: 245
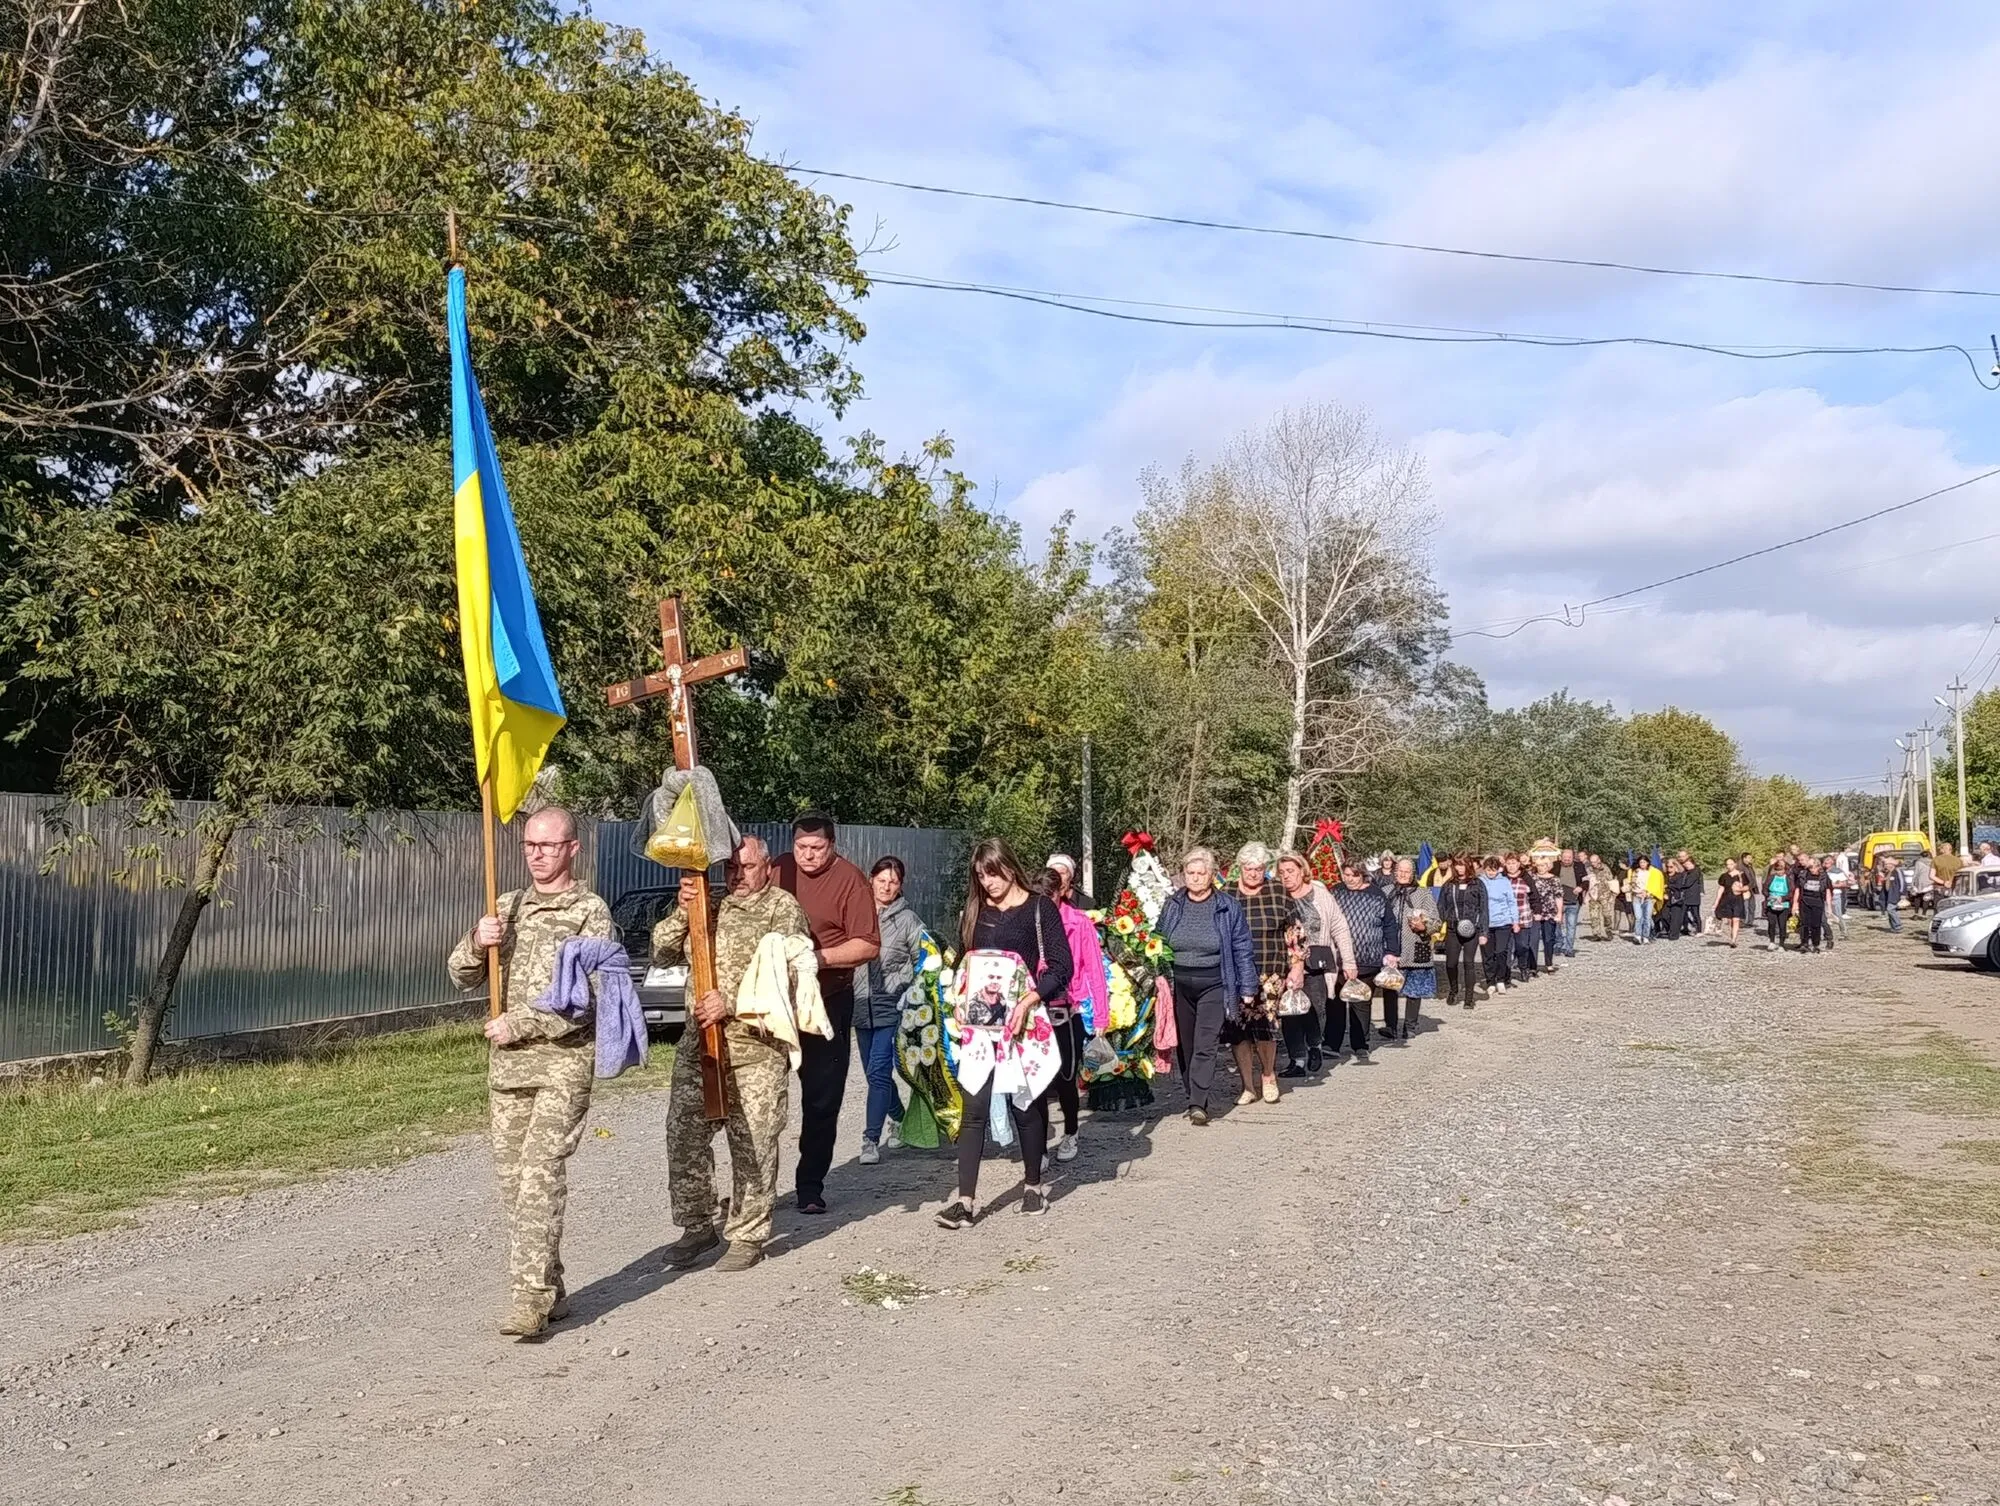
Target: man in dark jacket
x: 1373, y: 925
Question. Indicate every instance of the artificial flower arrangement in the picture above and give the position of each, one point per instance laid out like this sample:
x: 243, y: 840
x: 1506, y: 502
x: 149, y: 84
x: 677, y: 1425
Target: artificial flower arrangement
x: 1134, y: 956
x: 924, y: 1051
x: 1324, y: 855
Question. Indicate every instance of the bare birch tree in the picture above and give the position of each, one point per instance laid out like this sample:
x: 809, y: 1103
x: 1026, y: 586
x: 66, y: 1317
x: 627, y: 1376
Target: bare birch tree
x: 1321, y: 526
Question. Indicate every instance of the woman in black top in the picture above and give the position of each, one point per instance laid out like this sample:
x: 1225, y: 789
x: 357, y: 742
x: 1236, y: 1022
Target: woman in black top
x: 1462, y: 908
x: 1002, y: 914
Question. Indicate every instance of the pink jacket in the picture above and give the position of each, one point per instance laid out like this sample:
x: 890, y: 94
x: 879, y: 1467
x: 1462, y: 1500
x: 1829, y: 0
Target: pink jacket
x: 1087, y: 991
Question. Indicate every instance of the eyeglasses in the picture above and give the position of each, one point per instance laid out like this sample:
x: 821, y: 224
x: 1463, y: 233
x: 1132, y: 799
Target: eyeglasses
x: 549, y: 848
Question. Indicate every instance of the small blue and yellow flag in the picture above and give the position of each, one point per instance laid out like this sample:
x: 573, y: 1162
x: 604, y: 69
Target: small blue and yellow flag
x: 516, y: 708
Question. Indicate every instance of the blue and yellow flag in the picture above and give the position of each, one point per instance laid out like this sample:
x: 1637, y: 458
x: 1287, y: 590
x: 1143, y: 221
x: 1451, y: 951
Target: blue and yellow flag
x: 516, y: 708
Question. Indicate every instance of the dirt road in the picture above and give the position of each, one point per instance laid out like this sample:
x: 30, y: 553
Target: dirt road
x: 1678, y: 1224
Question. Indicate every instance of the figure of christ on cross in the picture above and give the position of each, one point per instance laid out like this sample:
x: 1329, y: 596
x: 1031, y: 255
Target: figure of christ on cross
x: 673, y: 680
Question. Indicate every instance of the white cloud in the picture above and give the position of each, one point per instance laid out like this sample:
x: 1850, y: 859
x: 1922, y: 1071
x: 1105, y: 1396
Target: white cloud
x: 1838, y: 139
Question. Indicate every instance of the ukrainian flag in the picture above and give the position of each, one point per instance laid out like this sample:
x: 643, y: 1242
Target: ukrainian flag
x: 516, y: 708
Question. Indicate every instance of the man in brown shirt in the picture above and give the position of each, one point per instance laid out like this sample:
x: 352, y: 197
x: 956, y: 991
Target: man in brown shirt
x: 840, y: 909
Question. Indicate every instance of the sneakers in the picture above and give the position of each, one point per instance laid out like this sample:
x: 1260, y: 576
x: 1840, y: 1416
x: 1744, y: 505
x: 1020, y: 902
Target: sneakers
x: 1034, y: 1200
x: 957, y: 1214
x: 892, y: 1135
x: 1293, y: 1069
x: 525, y: 1316
x: 740, y: 1256
x: 559, y: 1309
x: 1270, y: 1091
x: 687, y: 1251
x: 869, y: 1154
x: 1197, y: 1116
x: 1246, y: 1096
x: 1066, y: 1148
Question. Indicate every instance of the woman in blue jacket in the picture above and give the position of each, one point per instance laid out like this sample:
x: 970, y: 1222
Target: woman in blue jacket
x: 1503, y: 919
x: 1214, y: 971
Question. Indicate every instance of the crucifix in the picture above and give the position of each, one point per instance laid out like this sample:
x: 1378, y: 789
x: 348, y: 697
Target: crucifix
x: 674, y: 680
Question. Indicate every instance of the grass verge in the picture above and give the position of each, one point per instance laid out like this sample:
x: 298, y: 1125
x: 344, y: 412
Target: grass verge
x: 73, y: 1158
x: 1934, y: 1074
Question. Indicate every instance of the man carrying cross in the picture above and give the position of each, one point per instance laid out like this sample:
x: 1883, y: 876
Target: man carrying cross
x: 757, y: 1076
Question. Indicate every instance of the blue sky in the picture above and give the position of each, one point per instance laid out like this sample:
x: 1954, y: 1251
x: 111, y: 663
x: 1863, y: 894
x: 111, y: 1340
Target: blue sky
x: 1833, y: 141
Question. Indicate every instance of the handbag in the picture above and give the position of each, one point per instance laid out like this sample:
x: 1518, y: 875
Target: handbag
x: 1058, y: 1013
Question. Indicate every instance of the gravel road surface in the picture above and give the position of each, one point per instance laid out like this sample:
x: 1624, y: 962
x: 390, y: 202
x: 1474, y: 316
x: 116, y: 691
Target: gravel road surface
x: 1678, y: 1224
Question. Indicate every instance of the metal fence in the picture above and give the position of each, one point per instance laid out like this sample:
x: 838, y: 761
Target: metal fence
x: 339, y: 917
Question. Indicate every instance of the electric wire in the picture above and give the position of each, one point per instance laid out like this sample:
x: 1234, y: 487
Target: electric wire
x: 1086, y: 303
x: 1241, y: 228
x: 1576, y: 616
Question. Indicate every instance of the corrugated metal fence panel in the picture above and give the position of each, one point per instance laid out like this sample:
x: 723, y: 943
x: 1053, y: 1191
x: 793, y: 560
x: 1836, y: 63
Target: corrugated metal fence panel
x: 933, y: 861
x: 338, y: 919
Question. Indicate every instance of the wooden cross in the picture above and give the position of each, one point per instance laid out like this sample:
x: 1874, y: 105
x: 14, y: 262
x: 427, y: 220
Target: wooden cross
x: 673, y: 680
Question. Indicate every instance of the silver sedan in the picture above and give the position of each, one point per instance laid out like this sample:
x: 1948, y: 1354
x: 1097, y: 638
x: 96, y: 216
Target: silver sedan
x: 1968, y: 928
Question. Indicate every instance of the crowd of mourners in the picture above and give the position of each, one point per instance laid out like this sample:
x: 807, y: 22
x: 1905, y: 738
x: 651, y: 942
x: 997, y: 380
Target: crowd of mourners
x: 1273, y: 962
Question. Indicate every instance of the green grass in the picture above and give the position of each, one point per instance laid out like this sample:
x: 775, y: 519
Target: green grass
x: 73, y: 1158
x: 891, y: 1289
x: 1933, y: 1073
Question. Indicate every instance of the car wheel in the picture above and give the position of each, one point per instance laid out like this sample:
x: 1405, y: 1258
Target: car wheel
x: 1991, y: 961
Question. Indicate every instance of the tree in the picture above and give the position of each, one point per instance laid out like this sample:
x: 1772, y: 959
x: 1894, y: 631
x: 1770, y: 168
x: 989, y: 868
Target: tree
x: 1772, y: 813
x: 1696, y: 775
x: 257, y: 658
x: 1982, y: 766
x: 222, y: 221
x: 1319, y: 527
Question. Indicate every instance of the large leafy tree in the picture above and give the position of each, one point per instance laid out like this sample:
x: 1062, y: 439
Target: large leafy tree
x: 1696, y: 777
x: 221, y: 226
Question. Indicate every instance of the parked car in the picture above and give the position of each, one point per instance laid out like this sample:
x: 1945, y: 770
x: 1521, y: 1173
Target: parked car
x: 662, y: 990
x: 1967, y: 922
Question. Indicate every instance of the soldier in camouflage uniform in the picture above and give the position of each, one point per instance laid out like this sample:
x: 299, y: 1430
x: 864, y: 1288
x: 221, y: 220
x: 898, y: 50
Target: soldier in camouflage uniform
x: 759, y: 1074
x: 540, y: 1072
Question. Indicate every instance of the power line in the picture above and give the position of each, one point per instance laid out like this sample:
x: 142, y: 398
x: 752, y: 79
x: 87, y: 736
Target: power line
x: 1239, y: 228
x: 1087, y: 303
x: 1576, y: 616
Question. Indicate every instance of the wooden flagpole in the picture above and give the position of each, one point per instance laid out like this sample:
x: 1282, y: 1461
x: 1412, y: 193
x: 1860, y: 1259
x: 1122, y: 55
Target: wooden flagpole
x: 496, y: 988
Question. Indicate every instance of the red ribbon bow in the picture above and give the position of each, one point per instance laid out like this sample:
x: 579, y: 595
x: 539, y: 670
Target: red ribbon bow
x: 1137, y: 842
x: 1327, y: 831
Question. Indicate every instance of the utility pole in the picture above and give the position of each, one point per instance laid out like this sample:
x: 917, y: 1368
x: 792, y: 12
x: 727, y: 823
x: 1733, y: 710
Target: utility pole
x: 1089, y: 852
x: 1930, y: 790
x: 1957, y: 688
x: 1899, y: 788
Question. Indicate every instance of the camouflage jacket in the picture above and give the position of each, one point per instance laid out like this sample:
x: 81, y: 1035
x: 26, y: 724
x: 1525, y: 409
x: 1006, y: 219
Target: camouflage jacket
x: 739, y: 925
x: 547, y: 1050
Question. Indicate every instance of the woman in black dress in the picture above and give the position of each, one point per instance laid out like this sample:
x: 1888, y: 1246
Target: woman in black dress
x: 1733, y: 902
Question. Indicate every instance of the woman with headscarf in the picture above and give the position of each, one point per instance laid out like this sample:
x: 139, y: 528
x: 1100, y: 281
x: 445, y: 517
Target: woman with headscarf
x: 1326, y: 958
x: 1214, y: 971
x: 1253, y: 1034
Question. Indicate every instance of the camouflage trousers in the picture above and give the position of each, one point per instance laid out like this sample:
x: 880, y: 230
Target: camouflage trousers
x: 1603, y: 919
x: 760, y: 1074
x: 534, y: 1132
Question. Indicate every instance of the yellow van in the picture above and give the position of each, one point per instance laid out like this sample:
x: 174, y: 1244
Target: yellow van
x: 1905, y: 846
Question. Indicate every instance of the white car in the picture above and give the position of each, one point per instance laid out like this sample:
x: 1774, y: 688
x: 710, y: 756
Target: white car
x: 1969, y: 928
